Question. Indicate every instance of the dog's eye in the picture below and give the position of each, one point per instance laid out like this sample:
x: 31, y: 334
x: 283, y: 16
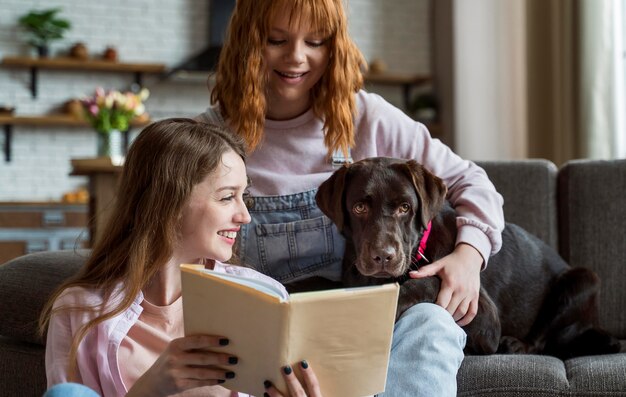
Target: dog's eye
x: 404, y: 208
x: 359, y: 208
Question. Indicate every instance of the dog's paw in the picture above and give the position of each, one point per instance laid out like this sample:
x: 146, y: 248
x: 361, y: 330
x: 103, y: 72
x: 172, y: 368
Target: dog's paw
x: 512, y: 345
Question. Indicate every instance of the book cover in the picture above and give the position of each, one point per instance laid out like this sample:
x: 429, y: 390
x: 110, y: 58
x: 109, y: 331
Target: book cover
x: 345, y: 334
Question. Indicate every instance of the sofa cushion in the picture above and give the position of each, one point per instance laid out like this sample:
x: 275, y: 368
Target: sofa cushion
x: 507, y: 375
x: 533, y: 375
x: 597, y: 375
x: 27, y: 283
x: 529, y: 191
x: 22, y: 369
x: 592, y: 230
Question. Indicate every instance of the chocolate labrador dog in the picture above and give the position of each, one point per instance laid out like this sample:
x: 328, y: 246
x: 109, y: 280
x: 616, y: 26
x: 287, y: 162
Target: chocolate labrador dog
x: 531, y: 301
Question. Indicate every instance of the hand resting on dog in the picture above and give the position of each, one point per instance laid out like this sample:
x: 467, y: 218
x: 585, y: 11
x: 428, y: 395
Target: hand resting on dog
x: 460, y: 281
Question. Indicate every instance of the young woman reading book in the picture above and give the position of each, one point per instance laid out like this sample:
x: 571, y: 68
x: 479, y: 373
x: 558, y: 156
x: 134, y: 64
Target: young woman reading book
x: 117, y: 326
x: 290, y: 80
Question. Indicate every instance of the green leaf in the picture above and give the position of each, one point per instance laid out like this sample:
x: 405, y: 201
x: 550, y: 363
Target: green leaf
x: 44, y: 26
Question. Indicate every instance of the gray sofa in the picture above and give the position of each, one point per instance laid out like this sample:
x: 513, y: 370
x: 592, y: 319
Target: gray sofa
x: 579, y: 209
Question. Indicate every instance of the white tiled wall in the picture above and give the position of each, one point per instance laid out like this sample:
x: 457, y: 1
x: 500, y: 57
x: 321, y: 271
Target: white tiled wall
x: 163, y: 31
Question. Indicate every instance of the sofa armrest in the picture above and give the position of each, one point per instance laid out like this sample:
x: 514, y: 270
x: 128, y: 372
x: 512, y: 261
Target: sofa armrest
x: 26, y: 284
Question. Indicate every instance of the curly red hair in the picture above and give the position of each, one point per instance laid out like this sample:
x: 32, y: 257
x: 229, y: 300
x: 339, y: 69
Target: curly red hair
x: 240, y: 77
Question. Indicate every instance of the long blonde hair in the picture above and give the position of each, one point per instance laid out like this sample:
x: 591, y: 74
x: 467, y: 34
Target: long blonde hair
x: 240, y: 78
x: 166, y: 160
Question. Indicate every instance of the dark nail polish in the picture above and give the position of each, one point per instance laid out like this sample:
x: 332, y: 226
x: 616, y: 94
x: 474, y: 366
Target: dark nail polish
x: 230, y: 375
x: 221, y: 381
x: 233, y: 360
x: 304, y: 364
x: 267, y: 384
x: 287, y: 370
x: 266, y: 395
x: 224, y: 341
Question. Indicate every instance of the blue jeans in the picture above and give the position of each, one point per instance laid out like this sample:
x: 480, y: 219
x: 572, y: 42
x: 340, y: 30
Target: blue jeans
x: 290, y: 239
x: 70, y: 390
x: 426, y: 353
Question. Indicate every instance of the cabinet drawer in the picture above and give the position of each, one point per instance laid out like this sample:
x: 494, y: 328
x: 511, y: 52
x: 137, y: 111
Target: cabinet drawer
x: 32, y: 227
x: 29, y: 218
x: 11, y: 249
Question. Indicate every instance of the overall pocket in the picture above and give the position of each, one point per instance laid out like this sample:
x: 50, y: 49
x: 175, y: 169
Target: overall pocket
x: 295, y: 250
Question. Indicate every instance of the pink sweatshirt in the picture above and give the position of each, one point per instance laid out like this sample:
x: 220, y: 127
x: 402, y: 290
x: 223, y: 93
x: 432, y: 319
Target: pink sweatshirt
x: 292, y: 158
x: 97, y: 361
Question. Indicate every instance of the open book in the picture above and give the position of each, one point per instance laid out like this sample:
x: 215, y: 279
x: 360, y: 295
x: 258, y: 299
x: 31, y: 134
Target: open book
x: 345, y: 334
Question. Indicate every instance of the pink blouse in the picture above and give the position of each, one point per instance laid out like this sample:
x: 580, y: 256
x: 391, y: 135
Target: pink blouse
x: 98, y: 357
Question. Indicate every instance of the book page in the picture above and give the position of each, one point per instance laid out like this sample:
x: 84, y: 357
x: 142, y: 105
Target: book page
x: 257, y: 284
x: 346, y: 336
x: 254, y: 322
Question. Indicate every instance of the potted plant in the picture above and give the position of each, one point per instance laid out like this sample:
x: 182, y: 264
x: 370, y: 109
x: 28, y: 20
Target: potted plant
x: 43, y: 27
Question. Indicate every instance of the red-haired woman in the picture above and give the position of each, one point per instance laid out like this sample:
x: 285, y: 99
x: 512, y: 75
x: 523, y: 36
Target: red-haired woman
x: 289, y: 81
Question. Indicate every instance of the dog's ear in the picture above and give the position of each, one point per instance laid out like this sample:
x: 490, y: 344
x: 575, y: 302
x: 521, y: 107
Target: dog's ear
x: 329, y: 196
x: 430, y: 189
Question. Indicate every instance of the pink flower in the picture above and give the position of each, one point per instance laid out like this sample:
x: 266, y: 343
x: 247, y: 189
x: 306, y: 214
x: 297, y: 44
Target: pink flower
x: 107, y: 110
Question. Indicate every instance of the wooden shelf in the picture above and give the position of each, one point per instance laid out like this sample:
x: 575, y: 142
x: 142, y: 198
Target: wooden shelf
x: 406, y: 81
x: 396, y: 78
x: 52, y: 119
x: 55, y: 120
x: 36, y: 204
x: 66, y: 63
x: 93, y: 165
x: 64, y: 120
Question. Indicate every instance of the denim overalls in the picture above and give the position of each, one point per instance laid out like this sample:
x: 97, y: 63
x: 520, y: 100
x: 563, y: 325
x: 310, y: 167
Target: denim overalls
x: 289, y: 238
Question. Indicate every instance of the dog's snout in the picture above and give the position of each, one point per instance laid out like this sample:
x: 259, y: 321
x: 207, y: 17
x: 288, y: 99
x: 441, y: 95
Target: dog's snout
x: 383, y: 255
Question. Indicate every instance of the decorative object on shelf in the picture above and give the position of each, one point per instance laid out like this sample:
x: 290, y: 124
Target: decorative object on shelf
x: 425, y: 108
x: 109, y: 144
x: 6, y: 110
x: 77, y: 196
x: 74, y: 108
x: 79, y: 51
x: 377, y: 66
x: 43, y: 27
x: 110, y: 54
x: 110, y: 114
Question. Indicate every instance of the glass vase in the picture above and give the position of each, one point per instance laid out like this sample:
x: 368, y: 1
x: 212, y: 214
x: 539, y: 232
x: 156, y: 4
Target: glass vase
x: 110, y: 144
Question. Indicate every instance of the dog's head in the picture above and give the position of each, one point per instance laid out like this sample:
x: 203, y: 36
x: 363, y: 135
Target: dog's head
x: 382, y: 205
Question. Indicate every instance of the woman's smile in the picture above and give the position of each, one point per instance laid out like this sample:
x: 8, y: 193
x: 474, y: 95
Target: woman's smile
x: 228, y: 235
x: 291, y: 77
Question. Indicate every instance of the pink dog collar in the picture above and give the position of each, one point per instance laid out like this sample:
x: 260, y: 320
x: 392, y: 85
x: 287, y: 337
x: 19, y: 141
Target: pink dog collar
x: 422, y: 247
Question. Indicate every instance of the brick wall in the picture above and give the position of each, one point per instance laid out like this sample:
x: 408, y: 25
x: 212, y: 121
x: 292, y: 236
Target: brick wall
x: 160, y: 31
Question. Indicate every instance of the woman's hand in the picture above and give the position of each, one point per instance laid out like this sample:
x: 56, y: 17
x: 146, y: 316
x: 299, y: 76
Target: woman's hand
x: 460, y: 281
x: 187, y: 363
x: 311, y: 387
